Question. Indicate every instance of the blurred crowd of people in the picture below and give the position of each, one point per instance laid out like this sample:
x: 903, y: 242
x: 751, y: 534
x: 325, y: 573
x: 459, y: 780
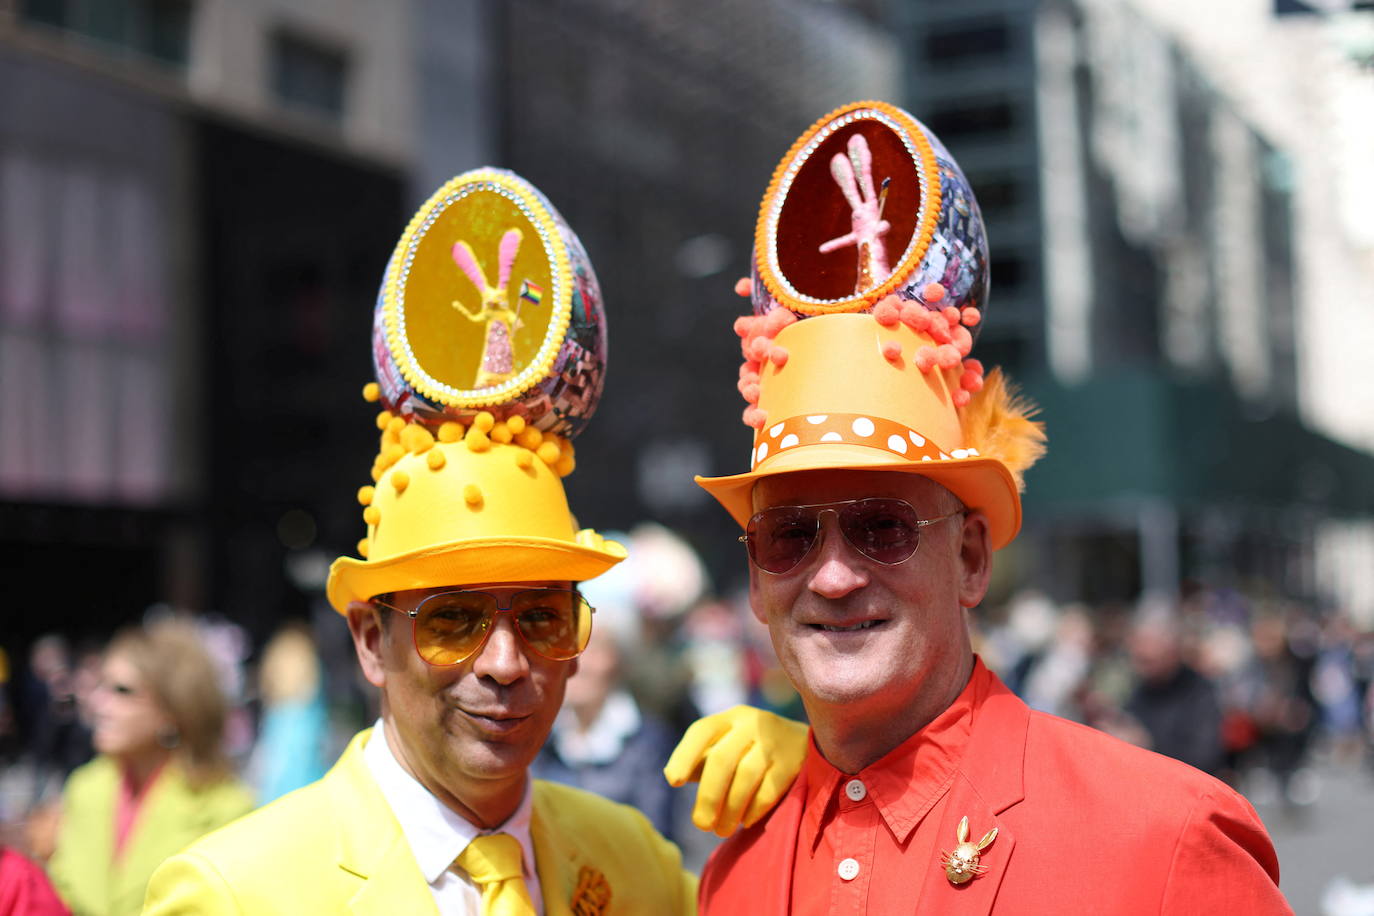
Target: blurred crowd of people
x: 113, y: 757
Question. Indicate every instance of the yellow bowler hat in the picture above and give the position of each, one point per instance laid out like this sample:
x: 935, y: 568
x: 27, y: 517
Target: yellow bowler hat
x: 840, y: 401
x: 467, y: 511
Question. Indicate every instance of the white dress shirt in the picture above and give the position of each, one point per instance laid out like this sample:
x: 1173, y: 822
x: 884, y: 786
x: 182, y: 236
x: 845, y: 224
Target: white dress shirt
x: 437, y: 835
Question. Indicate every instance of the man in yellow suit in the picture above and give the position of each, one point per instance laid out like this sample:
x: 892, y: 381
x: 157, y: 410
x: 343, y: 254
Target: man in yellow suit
x: 464, y: 614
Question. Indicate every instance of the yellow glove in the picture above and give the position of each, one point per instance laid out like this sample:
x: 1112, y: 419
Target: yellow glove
x: 746, y: 760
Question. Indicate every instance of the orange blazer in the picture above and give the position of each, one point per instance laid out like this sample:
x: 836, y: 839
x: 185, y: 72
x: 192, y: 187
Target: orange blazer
x: 1086, y: 824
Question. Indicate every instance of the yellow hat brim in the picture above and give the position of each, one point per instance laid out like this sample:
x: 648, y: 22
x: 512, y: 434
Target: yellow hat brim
x: 469, y: 561
x: 980, y: 483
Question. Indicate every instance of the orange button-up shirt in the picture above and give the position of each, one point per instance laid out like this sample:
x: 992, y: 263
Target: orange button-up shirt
x: 864, y: 840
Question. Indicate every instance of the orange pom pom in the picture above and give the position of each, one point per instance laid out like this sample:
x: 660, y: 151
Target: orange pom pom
x: 962, y: 339
x: 400, y: 480
x: 778, y: 356
x: 530, y: 438
x: 749, y: 372
x: 548, y: 453
x: 500, y: 433
x: 363, y: 547
x: 365, y: 495
x: 971, y: 381
x: 960, y: 398
x: 759, y: 347
x: 744, y: 287
x: 755, y: 417
x: 750, y: 392
x: 947, y: 355
x: 472, y: 494
x: 484, y: 421
x: 515, y: 424
x: 888, y: 311
x: 925, y: 358
x: 933, y: 292
x: 372, y: 392
x: 892, y: 350
x: 938, y: 330
x: 951, y: 315
x: 372, y: 515
x: 744, y: 325
x: 450, y: 431
x: 776, y: 320
x: 915, y: 316
x: 435, y: 459
x: 971, y: 316
x: 975, y: 365
x: 565, y: 466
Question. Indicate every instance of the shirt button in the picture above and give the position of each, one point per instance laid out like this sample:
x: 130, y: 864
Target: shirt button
x: 849, y: 869
x: 856, y: 790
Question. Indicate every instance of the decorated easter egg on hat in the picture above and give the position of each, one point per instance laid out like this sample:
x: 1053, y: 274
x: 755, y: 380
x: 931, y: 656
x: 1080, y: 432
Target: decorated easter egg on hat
x: 868, y: 204
x: 489, y: 304
x: 869, y: 284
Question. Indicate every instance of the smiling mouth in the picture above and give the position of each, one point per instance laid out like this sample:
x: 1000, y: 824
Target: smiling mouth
x: 852, y: 628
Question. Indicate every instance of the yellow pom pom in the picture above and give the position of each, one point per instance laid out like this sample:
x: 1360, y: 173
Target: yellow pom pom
x: 392, y: 452
x: 476, y: 440
x: 530, y: 438
x: 565, y: 465
x: 516, y: 424
x: 484, y: 421
x: 400, y: 480
x: 372, y: 392
x: 523, y: 460
x: 472, y: 494
x: 372, y: 515
x: 396, y: 424
x: 450, y: 431
x: 365, y: 495
x: 376, y: 473
x: 383, y: 419
x: 436, y: 459
x: 549, y: 453
x: 416, y: 439
x: 363, y: 547
x: 501, y: 433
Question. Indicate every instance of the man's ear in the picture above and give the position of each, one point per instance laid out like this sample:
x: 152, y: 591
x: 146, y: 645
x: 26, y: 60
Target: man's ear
x: 365, y: 625
x: 755, y: 602
x: 975, y: 559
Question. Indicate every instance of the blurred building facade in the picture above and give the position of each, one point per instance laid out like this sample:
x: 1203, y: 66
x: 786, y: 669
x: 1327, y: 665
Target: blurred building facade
x: 1164, y: 293
x: 197, y: 198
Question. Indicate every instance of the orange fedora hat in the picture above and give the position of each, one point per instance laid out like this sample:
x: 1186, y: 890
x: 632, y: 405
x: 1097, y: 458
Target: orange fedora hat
x: 870, y: 280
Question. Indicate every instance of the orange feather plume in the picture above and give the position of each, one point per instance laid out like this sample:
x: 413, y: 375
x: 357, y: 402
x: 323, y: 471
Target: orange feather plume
x: 997, y: 422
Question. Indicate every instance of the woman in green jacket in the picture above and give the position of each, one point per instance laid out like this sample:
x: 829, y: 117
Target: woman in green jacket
x: 161, y: 778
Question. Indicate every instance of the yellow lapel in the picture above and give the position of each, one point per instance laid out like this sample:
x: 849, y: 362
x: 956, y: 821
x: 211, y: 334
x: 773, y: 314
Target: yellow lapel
x: 371, y: 845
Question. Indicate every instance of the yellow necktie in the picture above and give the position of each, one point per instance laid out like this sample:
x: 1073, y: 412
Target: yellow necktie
x: 493, y: 862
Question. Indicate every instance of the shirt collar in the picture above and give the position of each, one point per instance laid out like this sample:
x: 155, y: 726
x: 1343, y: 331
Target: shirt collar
x: 907, y: 782
x: 435, y: 832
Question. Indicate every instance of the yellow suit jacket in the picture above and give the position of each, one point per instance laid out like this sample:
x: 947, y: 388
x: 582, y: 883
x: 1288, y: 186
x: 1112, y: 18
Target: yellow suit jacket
x: 83, y: 866
x: 334, y: 846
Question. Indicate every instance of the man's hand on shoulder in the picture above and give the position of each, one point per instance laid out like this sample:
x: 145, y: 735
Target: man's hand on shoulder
x: 746, y: 759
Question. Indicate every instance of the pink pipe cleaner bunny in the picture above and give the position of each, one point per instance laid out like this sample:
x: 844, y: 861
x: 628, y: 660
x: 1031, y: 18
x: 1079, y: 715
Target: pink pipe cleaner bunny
x: 854, y: 175
x: 498, y: 355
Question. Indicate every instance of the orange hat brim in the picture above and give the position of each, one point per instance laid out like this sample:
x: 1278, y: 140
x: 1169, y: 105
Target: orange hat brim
x: 980, y: 483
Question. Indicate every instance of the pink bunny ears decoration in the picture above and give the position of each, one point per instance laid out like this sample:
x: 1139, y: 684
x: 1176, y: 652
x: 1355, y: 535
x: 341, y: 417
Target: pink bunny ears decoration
x: 466, y: 260
x: 854, y: 175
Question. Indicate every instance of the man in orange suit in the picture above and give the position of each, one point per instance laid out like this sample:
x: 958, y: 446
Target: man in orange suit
x: 885, y: 471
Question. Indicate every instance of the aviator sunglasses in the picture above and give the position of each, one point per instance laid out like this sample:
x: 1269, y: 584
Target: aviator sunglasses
x: 885, y: 529
x: 451, y: 627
